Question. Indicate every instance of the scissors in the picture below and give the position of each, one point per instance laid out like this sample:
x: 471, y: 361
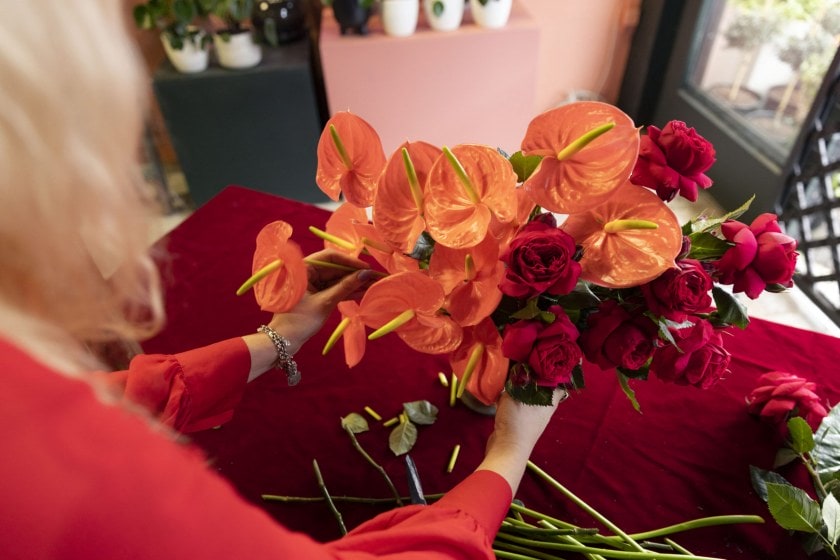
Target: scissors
x: 415, y: 490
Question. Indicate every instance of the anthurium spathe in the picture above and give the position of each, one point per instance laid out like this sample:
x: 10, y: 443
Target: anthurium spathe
x: 278, y: 268
x: 468, y: 186
x: 398, y: 208
x: 341, y: 232
x: 351, y: 329
x: 410, y: 304
x: 588, y: 149
x: 470, y: 278
x: 479, y: 362
x: 350, y: 159
x: 628, y: 240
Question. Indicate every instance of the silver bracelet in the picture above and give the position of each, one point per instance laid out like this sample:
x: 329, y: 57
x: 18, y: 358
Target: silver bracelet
x: 284, y: 359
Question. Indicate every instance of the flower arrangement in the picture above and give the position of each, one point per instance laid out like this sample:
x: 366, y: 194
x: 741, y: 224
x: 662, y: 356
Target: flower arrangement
x: 520, y: 267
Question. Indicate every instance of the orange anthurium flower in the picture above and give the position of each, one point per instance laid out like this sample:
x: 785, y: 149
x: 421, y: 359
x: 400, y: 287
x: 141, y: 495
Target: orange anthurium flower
x: 470, y: 278
x: 341, y: 230
x: 628, y: 240
x: 391, y: 260
x: 352, y: 329
x: 410, y: 304
x: 350, y: 159
x: 589, y: 150
x: 283, y: 288
x: 482, y: 346
x: 398, y: 209
x: 504, y: 233
x: 467, y: 187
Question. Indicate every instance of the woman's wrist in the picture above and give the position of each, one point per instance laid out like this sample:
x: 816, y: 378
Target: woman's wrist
x: 264, y: 351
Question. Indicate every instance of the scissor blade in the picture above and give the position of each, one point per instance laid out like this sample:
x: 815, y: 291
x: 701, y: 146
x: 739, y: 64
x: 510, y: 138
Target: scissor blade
x: 415, y: 490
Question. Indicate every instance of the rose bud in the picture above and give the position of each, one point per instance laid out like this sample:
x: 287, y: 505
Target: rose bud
x: 780, y: 396
x: 680, y: 291
x: 614, y: 337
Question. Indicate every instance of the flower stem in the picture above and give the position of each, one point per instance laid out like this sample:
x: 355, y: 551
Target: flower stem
x: 583, y: 505
x: 537, y: 515
x: 328, y: 498
x: 605, y: 552
x: 514, y: 552
x: 259, y: 275
x: 375, y: 465
x: 339, y: 146
x: 693, y: 524
x: 582, y: 141
x: 815, y: 477
x: 348, y: 499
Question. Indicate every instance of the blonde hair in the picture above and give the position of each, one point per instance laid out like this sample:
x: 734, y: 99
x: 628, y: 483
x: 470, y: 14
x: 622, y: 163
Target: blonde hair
x: 74, y: 266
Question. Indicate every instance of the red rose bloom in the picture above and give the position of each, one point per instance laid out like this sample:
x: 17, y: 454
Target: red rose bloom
x: 762, y: 255
x: 680, y: 291
x: 698, y: 359
x: 616, y: 338
x: 540, y: 259
x: 551, y: 351
x: 780, y: 396
x: 673, y: 160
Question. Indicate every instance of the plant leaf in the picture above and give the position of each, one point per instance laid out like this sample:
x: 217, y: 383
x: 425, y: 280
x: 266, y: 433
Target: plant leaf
x: 524, y: 165
x: 577, y: 377
x: 760, y: 478
x: 530, y: 311
x: 826, y: 452
x: 421, y: 412
x: 831, y: 517
x: 531, y: 393
x: 631, y: 394
x: 729, y: 309
x: 802, y: 438
x: 402, y: 438
x: 784, y: 456
x: 354, y: 422
x: 793, y: 509
x: 705, y: 246
x: 708, y: 225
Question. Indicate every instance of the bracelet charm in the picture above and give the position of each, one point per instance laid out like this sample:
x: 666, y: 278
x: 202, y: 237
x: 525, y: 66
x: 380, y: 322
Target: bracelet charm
x: 284, y: 359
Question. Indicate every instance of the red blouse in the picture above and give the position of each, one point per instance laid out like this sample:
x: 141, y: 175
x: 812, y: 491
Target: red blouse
x: 83, y: 479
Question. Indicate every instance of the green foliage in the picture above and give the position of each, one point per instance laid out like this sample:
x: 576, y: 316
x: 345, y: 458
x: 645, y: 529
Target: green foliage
x: 355, y: 422
x: 402, y: 438
x: 421, y: 412
x: 801, y: 437
x: 531, y: 393
x: 174, y: 19
x: 793, y: 509
x: 705, y: 246
x: 730, y: 311
x: 826, y: 452
x: 524, y: 165
x: 623, y: 381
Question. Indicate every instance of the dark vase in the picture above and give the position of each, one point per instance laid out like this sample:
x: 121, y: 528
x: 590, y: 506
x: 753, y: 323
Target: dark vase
x: 279, y: 21
x: 351, y: 16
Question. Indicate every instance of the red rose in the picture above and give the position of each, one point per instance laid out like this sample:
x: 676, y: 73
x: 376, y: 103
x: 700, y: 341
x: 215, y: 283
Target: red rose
x: 616, y: 338
x: 781, y: 396
x: 673, y: 160
x: 762, y: 255
x: 550, y: 350
x: 698, y: 358
x: 540, y: 259
x: 680, y: 291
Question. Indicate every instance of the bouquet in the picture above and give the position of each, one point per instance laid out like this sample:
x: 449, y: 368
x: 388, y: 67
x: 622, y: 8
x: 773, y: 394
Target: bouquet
x: 520, y: 267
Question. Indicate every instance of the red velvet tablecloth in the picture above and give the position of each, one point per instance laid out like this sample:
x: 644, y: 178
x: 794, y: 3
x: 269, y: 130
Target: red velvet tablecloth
x: 687, y: 455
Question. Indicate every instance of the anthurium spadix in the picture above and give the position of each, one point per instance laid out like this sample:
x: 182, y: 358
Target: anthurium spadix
x: 341, y: 233
x: 468, y: 186
x: 398, y: 208
x: 479, y: 362
x: 588, y: 150
x: 352, y: 329
x: 628, y: 240
x: 410, y: 303
x: 350, y: 159
x: 279, y: 274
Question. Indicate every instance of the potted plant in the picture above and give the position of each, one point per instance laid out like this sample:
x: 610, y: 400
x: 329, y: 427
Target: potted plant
x: 444, y: 15
x: 236, y: 45
x: 351, y: 15
x: 490, y: 13
x: 399, y: 17
x: 186, y: 46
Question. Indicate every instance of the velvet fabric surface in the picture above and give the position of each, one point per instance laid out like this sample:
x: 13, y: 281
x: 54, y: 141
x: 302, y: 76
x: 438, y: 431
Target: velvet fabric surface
x: 687, y: 455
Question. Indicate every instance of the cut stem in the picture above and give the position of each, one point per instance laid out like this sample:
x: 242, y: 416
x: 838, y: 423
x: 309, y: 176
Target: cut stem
x: 616, y: 226
x: 374, y: 464
x: 462, y: 175
x: 343, y: 243
x: 328, y: 498
x: 413, y: 181
x: 339, y: 146
x: 348, y: 499
x: 393, y: 324
x: 469, y: 268
x: 582, y: 141
x: 259, y: 275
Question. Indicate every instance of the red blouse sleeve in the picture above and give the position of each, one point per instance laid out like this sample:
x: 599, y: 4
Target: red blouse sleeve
x: 189, y: 391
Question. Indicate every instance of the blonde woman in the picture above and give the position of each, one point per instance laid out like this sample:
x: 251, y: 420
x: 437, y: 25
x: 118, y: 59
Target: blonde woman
x: 89, y: 467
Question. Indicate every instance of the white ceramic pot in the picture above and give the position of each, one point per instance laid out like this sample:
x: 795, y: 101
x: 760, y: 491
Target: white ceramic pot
x: 399, y: 17
x: 493, y: 14
x: 238, y: 51
x: 444, y: 15
x: 190, y: 58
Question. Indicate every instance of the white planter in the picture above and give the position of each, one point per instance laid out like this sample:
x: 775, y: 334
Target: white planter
x: 448, y: 16
x: 238, y: 51
x: 399, y: 17
x: 189, y: 59
x: 493, y: 14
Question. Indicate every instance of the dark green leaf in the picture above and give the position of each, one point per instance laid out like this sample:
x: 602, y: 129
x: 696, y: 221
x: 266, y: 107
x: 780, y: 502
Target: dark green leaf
x: 826, y: 452
x: 631, y: 394
x: 577, y: 377
x: 142, y: 18
x: 423, y: 248
x: 530, y: 311
x: 183, y: 10
x: 421, y: 412
x: 793, y: 509
x: 784, y: 456
x: 402, y: 438
x: 524, y: 165
x: 710, y: 224
x: 705, y: 246
x: 530, y: 393
x: 641, y: 373
x: 729, y: 309
x: 582, y: 297
x: 354, y: 422
x: 437, y: 8
x: 760, y: 478
x: 801, y: 436
x: 270, y: 32
x: 831, y: 518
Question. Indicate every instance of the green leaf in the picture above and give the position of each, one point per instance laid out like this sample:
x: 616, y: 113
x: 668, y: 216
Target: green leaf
x: 577, y: 377
x: 760, y: 478
x: 729, y: 310
x: 831, y: 518
x: 708, y: 225
x: 530, y: 311
x: 631, y: 394
x: 402, y: 438
x: 421, y: 412
x: 826, y: 452
x: 270, y: 32
x: 437, y: 8
x: 354, y: 422
x: 802, y: 438
x: 530, y: 394
x: 582, y: 297
x: 705, y: 246
x: 524, y: 165
x: 784, y: 456
x: 793, y: 509
x: 142, y: 17
x: 183, y: 10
